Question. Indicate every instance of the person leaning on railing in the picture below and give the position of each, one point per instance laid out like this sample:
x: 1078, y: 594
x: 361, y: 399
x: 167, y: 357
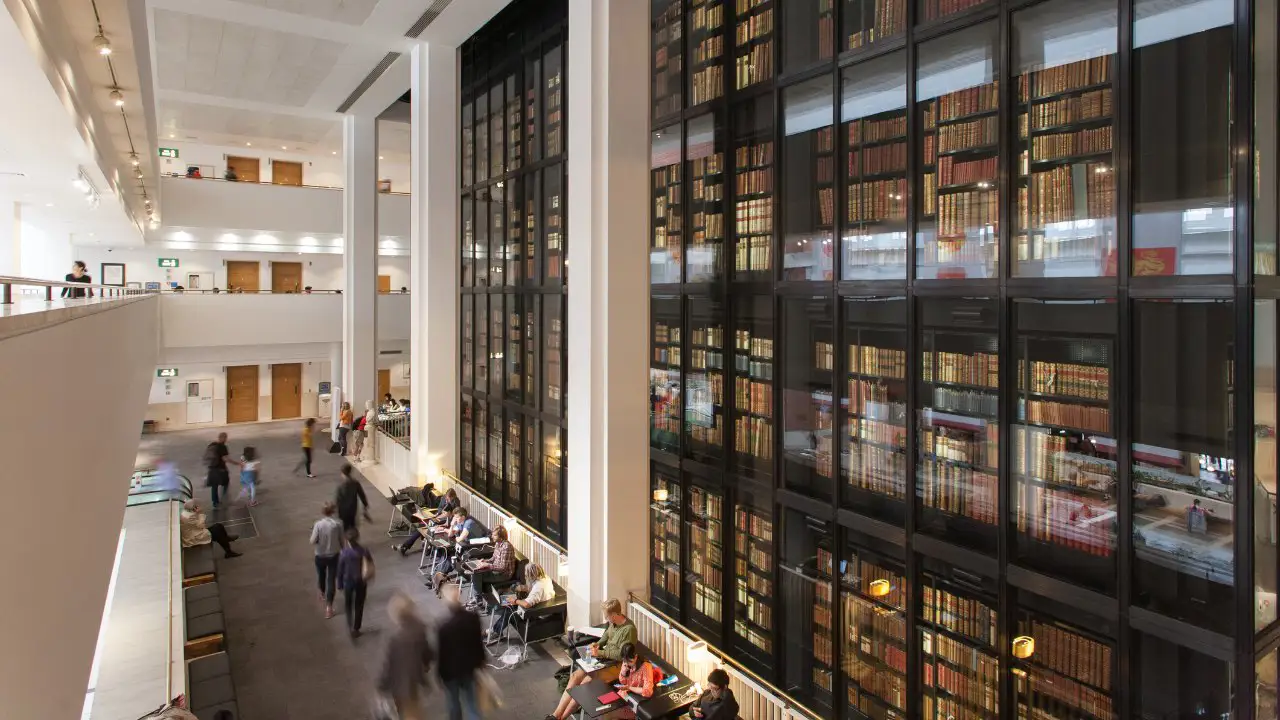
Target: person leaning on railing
x: 78, y: 274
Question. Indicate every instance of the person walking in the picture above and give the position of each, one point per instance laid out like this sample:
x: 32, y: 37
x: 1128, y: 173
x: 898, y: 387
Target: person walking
x: 459, y: 636
x: 349, y: 497
x: 308, y: 430
x: 249, y: 467
x: 326, y: 535
x: 345, y: 422
x: 408, y: 660
x: 194, y: 532
x: 215, y: 459
x: 355, y: 571
x: 78, y: 274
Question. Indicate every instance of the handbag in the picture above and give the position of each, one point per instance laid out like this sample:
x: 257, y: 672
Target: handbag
x: 335, y: 448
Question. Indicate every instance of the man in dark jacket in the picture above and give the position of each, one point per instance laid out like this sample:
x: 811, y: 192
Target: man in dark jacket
x: 350, y: 496
x: 215, y: 459
x: 461, y: 654
x: 409, y: 658
x: 717, y: 701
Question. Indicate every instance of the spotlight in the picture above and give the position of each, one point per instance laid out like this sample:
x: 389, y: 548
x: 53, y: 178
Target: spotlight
x: 133, y: 158
x: 101, y: 44
x: 117, y: 97
x: 137, y: 172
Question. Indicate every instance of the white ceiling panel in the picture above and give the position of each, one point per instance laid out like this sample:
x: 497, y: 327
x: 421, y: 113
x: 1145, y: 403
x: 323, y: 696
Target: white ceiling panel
x: 351, y: 12
x: 217, y: 123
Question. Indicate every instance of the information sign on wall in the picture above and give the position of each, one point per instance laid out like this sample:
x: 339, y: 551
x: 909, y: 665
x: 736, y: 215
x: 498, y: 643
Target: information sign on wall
x: 168, y: 152
x: 168, y: 262
x: 167, y: 372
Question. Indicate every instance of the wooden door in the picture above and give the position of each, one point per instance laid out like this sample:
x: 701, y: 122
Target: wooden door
x: 384, y: 283
x: 242, y: 393
x: 242, y: 276
x: 286, y: 391
x: 246, y: 168
x: 286, y: 277
x: 286, y: 173
x: 384, y: 384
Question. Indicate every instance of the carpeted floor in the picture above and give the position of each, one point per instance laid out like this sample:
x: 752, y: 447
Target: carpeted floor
x: 287, y: 661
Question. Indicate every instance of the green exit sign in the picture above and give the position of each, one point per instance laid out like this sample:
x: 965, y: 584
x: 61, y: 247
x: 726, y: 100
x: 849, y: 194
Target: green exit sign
x: 166, y: 372
x: 169, y: 152
x: 168, y: 262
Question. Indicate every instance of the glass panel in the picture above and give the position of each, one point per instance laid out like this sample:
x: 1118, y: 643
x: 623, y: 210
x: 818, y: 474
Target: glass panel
x: 1266, y: 705
x: 498, y: 257
x: 515, y: 224
x: 515, y: 424
x: 1266, y: 560
x: 1266, y: 133
x: 753, y: 384
x: 808, y: 190
x: 1182, y: 152
x: 867, y: 22
x: 533, y: 108
x: 704, y: 148
x: 958, y: 630
x: 704, y: 403
x: 468, y: 145
x: 482, y: 447
x: 664, y: 376
x: 874, y: 111
x: 532, y: 249
x: 552, y: 480
x: 1064, y: 58
x: 552, y: 371
x: 664, y: 534
x: 874, y: 460
x: 482, y: 137
x: 807, y: 406
x: 482, y: 251
x: 554, y: 94
x: 958, y: 424
x: 1067, y: 671
x: 705, y: 567
x: 468, y: 337
x: 873, y: 648
x: 482, y: 342
x: 1065, y: 490
x: 938, y: 9
x: 753, y: 579
x: 513, y: 357
x: 553, y: 223
x: 753, y: 53
x: 468, y: 243
x: 497, y: 131
x: 497, y: 328
x: 810, y: 32
x: 467, y: 442
x: 808, y: 654
x: 957, y: 101
x: 666, y: 245
x: 668, y: 41
x: 706, y: 68
x: 1184, y: 475
x: 515, y: 128
x: 753, y: 189
x: 495, y: 457
x: 1177, y: 682
x: 532, y: 465
x: 531, y: 350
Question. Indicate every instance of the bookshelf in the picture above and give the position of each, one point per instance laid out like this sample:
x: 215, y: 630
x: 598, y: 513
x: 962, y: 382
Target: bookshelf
x: 552, y: 480
x: 513, y: 358
x: 497, y: 132
x: 497, y: 236
x: 498, y: 327
x: 668, y: 57
x: 468, y: 340
x: 961, y: 671
x: 875, y: 239
x: 482, y: 136
x: 553, y: 100
x: 753, y: 42
x: 807, y: 627
x: 482, y: 446
x: 480, y: 250
x: 515, y: 424
x: 704, y: 261
x: 483, y: 357
x: 515, y: 226
x: 467, y: 422
x: 753, y: 626
x: 753, y: 209
x: 705, y: 566
x: 531, y: 317
x: 753, y: 386
x: 553, y: 354
x: 938, y: 9
x: 873, y: 647
x: 809, y: 195
x: 809, y: 33
x: 468, y: 144
x: 553, y: 223
x: 706, y: 50
x: 704, y: 416
x: 664, y: 375
x: 666, y: 245
x: 468, y: 223
x: 875, y: 463
x: 515, y: 125
x: 808, y: 407
x: 532, y: 491
x: 533, y: 107
x: 532, y: 235
x: 496, y: 456
x: 1068, y: 677
x: 664, y: 536
x: 867, y: 22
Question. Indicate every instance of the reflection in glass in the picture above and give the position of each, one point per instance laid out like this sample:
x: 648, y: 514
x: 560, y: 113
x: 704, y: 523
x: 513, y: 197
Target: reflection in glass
x: 468, y: 243
x: 468, y: 338
x: 753, y: 384
x: 497, y: 331
x: 482, y: 137
x: 553, y: 223
x: 808, y: 409
x: 808, y: 193
x: 938, y: 9
x: 552, y: 480
x: 1182, y: 153
x: 1177, y: 682
x: 664, y: 538
x: 810, y: 32
x: 531, y: 350
x: 958, y: 633
x: 867, y: 22
x: 664, y: 376
x: 1065, y: 492
x: 753, y: 581
x: 553, y: 92
x: 1266, y: 137
x: 753, y: 189
x: 482, y: 446
x: 873, y: 109
x: 498, y: 257
x: 1266, y: 560
x: 515, y: 224
x: 704, y: 414
x: 668, y: 39
x: 874, y: 460
x: 532, y: 466
x: 513, y: 357
x: 1184, y: 473
x: 497, y: 132
x: 706, y: 62
x: 482, y: 342
x: 482, y: 238
x: 704, y: 150
x: 958, y: 429
x: 753, y: 42
x: 515, y: 423
x: 467, y: 442
x: 959, y: 233
x: 808, y: 653
x: 553, y: 353
x: 873, y: 649
x: 1070, y: 670
x: 666, y: 244
x: 468, y: 145
x: 1266, y: 680
x: 1065, y: 222
x: 495, y: 456
x: 705, y: 567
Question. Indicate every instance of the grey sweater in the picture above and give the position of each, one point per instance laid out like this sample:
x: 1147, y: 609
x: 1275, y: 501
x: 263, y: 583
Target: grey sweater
x: 326, y: 535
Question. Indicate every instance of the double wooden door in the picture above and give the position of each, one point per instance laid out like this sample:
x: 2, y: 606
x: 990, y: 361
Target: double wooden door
x: 246, y: 168
x: 242, y: 393
x: 286, y: 173
x: 242, y: 276
x: 286, y: 391
x: 286, y: 277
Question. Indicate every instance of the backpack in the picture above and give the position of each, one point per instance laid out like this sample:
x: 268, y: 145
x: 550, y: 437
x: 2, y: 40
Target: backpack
x: 211, y: 455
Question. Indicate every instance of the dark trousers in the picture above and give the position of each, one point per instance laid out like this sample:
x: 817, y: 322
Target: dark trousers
x: 217, y: 478
x: 409, y: 542
x: 354, y: 596
x: 306, y: 460
x: 219, y: 534
x: 327, y: 576
x: 501, y: 617
x: 342, y: 438
x: 348, y: 521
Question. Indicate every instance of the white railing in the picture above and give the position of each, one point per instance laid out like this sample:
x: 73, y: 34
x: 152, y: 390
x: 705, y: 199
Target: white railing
x: 528, y: 542
x: 8, y: 285
x: 392, y: 455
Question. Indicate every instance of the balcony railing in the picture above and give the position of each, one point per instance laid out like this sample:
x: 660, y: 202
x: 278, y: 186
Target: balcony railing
x: 8, y: 285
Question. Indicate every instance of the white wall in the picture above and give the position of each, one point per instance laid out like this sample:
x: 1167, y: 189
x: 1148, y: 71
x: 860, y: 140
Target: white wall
x: 82, y: 389
x: 322, y: 169
x: 46, y: 252
x: 211, y: 321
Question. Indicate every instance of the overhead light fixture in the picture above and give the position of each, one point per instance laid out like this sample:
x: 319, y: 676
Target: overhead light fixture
x: 283, y: 147
x: 1024, y: 646
x: 117, y: 97
x: 101, y: 44
x: 133, y: 159
x: 381, y: 158
x: 248, y: 144
x: 137, y: 172
x: 171, y: 136
x: 48, y: 204
x: 335, y: 152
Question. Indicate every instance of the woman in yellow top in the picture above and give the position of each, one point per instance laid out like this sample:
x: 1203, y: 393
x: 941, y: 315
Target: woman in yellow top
x: 345, y: 421
x: 307, y: 430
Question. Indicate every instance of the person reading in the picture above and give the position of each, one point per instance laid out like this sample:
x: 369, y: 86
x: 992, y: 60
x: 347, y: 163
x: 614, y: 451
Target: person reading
x: 619, y: 632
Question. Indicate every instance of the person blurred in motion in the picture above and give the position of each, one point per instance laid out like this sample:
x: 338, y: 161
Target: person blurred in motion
x: 349, y: 497
x: 167, y: 476
x: 461, y: 655
x: 249, y: 467
x: 78, y: 274
x: 216, y: 456
x: 326, y: 535
x: 308, y: 431
x: 408, y: 660
x: 537, y: 588
x: 194, y: 531
x: 620, y: 631
x: 345, y: 423
x: 717, y: 701
x: 355, y: 570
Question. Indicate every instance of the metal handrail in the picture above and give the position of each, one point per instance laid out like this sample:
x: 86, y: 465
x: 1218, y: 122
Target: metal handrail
x: 108, y: 291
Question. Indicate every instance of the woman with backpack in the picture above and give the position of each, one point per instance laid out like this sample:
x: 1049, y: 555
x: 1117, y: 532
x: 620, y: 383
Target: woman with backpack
x: 355, y: 572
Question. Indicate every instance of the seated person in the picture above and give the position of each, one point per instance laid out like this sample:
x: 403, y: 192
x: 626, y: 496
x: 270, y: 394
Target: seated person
x: 500, y: 567
x: 537, y: 588
x: 195, y: 533
x: 463, y: 529
x: 637, y: 675
x: 620, y: 631
x: 717, y: 701
x: 444, y: 511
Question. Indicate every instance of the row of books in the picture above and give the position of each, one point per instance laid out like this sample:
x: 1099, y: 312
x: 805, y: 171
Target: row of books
x: 753, y: 436
x: 969, y: 402
x: 754, y: 345
x: 757, y: 638
x: 1069, y: 415
x: 826, y: 208
x: 707, y: 17
x: 753, y: 254
x: 888, y: 18
x: 968, y: 368
x: 868, y: 131
x: 1043, y: 455
x: 869, y: 679
x: 935, y: 9
x: 1048, y: 693
x: 894, y: 436
x: 755, y: 66
x: 878, y: 159
x: 951, y: 172
x: 976, y: 688
x: 1067, y: 110
x: 706, y: 600
x: 961, y: 213
x: 1065, y: 518
x: 872, y: 360
x: 754, y: 155
x: 709, y: 49
x: 754, y: 217
x: 1065, y: 145
x: 753, y: 396
x: 880, y: 623
x: 754, y: 525
x: 877, y: 201
x: 826, y: 30
x: 958, y: 490
x: 706, y: 84
x: 749, y: 182
x: 964, y: 448
x: 824, y: 170
x: 1051, y: 196
x: 962, y: 103
x: 1065, y: 78
x: 756, y: 611
x: 1070, y: 654
x: 756, y: 582
x: 1068, y: 379
x: 824, y: 355
x: 700, y: 359
x: 708, y: 336
x: 982, y: 132
x: 874, y: 399
x: 707, y: 228
x: 698, y: 432
x: 754, y: 27
x: 759, y: 369
x: 965, y: 616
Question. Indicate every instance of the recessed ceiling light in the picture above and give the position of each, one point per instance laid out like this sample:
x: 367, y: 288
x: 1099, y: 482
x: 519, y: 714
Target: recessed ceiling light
x: 48, y: 204
x: 90, y: 234
x: 171, y: 136
x: 381, y: 158
x: 282, y: 147
x: 335, y: 152
x: 248, y: 144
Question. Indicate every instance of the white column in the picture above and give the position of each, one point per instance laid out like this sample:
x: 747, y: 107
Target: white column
x: 434, y: 272
x: 608, y: 313
x: 337, y: 392
x: 359, y: 379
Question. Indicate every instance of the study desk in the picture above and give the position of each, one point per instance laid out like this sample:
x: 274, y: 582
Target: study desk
x: 670, y: 701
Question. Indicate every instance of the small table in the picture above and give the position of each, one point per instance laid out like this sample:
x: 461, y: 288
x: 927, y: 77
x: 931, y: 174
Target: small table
x: 587, y: 695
